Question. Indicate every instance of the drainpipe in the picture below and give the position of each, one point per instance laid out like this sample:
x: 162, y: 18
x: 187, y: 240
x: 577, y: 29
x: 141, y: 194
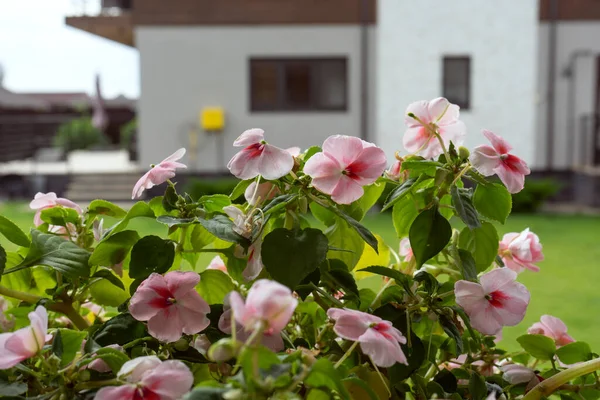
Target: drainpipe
x: 364, y: 69
x: 550, y: 108
x: 571, y: 73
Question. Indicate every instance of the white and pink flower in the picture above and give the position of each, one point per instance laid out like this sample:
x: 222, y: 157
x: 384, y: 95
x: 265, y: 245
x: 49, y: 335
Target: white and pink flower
x: 423, y: 118
x: 159, y: 174
x: 495, y: 159
x: 345, y: 165
x: 43, y: 201
x: 406, y: 251
x: 25, y: 342
x: 259, y: 158
x: 266, y: 191
x: 149, y: 378
x: 498, y: 301
x: 516, y: 374
x: 378, y: 338
x: 552, y: 327
x: 519, y: 251
x: 218, y: 264
x: 171, y: 305
x: 269, y: 307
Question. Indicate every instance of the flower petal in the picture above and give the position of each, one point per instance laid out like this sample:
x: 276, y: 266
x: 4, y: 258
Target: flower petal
x: 125, y: 392
x: 497, y: 279
x: 250, y: 137
x: 133, y: 370
x: 8, y: 359
x: 192, y: 311
x: 275, y: 162
x: 180, y: 283
x: 351, y: 324
x: 170, y: 380
x: 421, y: 110
x: 498, y: 143
x: 43, y: 200
x: 178, y: 155
x: 513, y: 180
x: 244, y: 165
x: 143, y: 183
x: 346, y: 191
x: 344, y: 149
x: 149, y: 298
x: 384, y: 352
x: 166, y: 325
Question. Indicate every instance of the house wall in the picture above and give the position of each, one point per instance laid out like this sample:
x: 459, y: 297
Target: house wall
x: 570, y: 147
x: 184, y: 69
x: 501, y: 40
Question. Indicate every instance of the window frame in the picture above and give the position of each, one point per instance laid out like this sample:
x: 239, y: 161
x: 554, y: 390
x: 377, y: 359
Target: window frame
x: 445, y: 77
x: 281, y: 102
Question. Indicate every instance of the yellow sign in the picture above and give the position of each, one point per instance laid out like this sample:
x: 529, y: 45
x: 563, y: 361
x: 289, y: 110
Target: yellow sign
x: 212, y: 119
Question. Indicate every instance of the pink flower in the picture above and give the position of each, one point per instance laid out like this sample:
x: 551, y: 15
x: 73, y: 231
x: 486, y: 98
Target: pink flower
x: 265, y: 191
x: 378, y: 338
x: 437, y: 115
x: 43, y: 201
x: 520, y: 251
x: 345, y: 165
x: 26, y: 342
x: 516, y: 374
x: 395, y: 171
x: 259, y: 158
x: 99, y: 364
x: 218, y: 264
x: 494, y: 159
x: 202, y: 344
x: 159, y: 174
x: 243, y: 226
x: 498, y: 301
x: 406, y: 250
x: 269, y: 306
x: 150, y: 378
x: 294, y: 151
x: 272, y: 340
x: 171, y: 305
x: 98, y: 229
x: 552, y: 327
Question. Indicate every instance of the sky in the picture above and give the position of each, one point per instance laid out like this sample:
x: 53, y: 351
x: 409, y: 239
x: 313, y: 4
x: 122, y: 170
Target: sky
x: 40, y: 53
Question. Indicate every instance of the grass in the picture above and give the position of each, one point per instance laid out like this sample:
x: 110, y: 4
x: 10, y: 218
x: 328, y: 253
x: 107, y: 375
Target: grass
x: 566, y: 286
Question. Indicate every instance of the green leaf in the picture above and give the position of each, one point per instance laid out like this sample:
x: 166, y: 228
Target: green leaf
x: 222, y: 227
x: 103, y: 207
x: 57, y: 344
x: 404, y: 213
x: 338, y: 276
x: 399, y: 277
x: 60, y: 216
x: 259, y: 357
x: 170, y: 198
x: 360, y: 207
x: 482, y: 243
x: 215, y: 202
x: 317, y: 394
x: 323, y: 375
x: 467, y: 265
x: 352, y: 384
x: 477, y: 387
x: 447, y: 380
x: 55, y: 252
x: 120, y: 329
x: 321, y: 213
x: 311, y: 151
x: 206, y: 393
x: 574, y: 352
x: 289, y: 256
x: 493, y: 201
x: 113, y: 357
x: 3, y: 259
x: 398, y: 193
x: 13, y: 233
x: 71, y: 344
x: 214, y: 285
x: 109, y: 276
x: 151, y: 254
x: 429, y: 234
x: 452, y: 331
x: 12, y: 389
x: 113, y: 249
x: 106, y: 293
x: 174, y: 221
x: 426, y: 167
x: 363, y: 232
x: 539, y: 346
x: 342, y: 236
x: 240, y: 189
x: 279, y: 203
x: 139, y: 209
x: 461, y: 199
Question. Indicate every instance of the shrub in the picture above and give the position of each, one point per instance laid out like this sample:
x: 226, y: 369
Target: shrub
x: 79, y: 134
x: 199, y: 187
x: 534, y: 195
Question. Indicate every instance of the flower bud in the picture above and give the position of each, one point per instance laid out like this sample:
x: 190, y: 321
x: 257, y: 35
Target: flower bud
x: 463, y: 153
x: 223, y: 350
x: 181, y: 345
x: 84, y: 375
x: 202, y: 344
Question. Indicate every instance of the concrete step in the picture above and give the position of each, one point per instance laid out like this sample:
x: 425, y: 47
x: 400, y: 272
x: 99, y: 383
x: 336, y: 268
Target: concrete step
x: 112, y: 187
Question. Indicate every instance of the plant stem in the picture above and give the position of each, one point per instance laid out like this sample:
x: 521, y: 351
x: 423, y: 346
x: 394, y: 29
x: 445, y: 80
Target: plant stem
x: 15, y: 294
x: 67, y: 309
x: 346, y: 355
x: 387, y: 284
x: 548, y: 386
x: 460, y: 174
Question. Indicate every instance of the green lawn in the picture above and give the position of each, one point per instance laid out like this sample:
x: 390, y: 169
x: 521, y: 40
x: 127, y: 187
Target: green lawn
x: 565, y: 287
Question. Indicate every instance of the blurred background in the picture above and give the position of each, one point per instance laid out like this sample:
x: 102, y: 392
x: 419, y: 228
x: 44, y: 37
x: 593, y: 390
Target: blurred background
x: 94, y: 91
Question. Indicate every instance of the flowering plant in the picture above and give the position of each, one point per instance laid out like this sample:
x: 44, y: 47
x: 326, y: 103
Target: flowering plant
x: 300, y: 299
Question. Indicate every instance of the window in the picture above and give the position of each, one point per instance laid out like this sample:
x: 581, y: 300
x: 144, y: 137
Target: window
x: 457, y: 81
x: 298, y: 84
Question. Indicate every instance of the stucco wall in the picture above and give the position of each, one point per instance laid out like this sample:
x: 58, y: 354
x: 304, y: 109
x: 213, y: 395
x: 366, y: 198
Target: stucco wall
x: 184, y: 69
x: 572, y: 37
x: 500, y: 37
